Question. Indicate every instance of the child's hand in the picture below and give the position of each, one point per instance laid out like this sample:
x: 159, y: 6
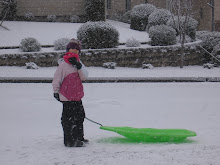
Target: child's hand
x: 74, y: 61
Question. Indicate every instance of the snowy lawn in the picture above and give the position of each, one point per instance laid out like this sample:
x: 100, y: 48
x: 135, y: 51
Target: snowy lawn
x: 187, y: 71
x: 46, y: 33
x: 31, y: 133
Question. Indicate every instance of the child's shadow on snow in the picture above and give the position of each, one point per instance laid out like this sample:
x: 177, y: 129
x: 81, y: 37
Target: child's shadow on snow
x: 122, y: 140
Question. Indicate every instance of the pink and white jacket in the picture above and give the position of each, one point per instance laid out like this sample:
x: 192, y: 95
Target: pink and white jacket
x: 67, y: 82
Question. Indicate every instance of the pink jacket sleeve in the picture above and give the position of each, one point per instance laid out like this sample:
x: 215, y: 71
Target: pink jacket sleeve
x: 58, y: 79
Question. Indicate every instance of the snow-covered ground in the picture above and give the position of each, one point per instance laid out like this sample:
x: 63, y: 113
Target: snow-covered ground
x: 31, y: 133
x: 30, y: 129
x: 46, y: 33
x: 187, y: 71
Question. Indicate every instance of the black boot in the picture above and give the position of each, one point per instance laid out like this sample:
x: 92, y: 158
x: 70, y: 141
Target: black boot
x: 86, y: 141
x: 76, y: 143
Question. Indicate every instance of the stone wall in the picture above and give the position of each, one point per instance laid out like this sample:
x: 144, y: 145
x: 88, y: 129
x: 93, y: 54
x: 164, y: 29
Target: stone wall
x: 127, y: 57
x: 134, y: 57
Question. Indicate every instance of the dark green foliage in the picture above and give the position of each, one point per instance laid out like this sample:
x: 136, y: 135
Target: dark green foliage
x: 158, y: 17
x: 162, y: 35
x: 95, y: 10
x: 139, y: 16
x: 209, y: 41
x: 98, y: 35
x: 126, y: 17
x: 138, y: 23
x: 9, y: 9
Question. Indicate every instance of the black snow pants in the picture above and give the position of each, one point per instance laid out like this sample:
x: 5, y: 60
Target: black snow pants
x: 72, y: 122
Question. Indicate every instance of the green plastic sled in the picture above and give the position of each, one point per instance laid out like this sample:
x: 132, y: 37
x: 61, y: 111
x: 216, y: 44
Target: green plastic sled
x: 151, y: 134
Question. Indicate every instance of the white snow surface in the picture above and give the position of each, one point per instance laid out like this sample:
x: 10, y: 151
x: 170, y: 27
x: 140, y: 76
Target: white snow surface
x: 46, y: 33
x: 31, y: 132
x: 30, y: 128
x: 186, y: 71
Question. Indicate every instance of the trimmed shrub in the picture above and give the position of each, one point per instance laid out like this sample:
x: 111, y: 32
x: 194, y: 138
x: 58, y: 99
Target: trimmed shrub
x: 51, y: 18
x: 30, y: 45
x: 139, y: 16
x: 9, y: 6
x: 191, y: 25
x: 115, y: 17
x: 158, y: 17
x: 126, y: 17
x: 209, y: 41
x: 200, y: 34
x: 74, y: 19
x: 29, y: 16
x: 162, y: 35
x: 216, y: 50
x: 61, y: 43
x: 95, y: 10
x: 132, y: 43
x: 97, y: 35
x: 187, y: 39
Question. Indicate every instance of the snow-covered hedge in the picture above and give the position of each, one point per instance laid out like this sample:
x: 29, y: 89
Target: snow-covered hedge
x: 29, y: 16
x: 139, y: 16
x: 95, y: 10
x: 191, y: 25
x: 187, y: 39
x: 162, y: 35
x: 9, y: 7
x: 74, y: 19
x: 158, y: 17
x: 209, y: 41
x: 60, y: 44
x: 51, y: 18
x: 132, y: 43
x: 126, y: 17
x: 30, y: 45
x: 216, y: 50
x: 97, y: 35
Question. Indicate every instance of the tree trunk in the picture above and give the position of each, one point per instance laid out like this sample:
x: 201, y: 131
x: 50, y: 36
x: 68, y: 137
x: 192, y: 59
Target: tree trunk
x: 182, y: 56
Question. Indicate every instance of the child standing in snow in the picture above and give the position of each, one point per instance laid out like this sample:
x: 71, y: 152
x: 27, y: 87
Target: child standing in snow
x: 68, y: 88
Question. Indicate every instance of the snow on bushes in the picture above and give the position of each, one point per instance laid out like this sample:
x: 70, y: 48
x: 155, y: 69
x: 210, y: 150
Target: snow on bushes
x: 187, y: 39
x: 51, y: 18
x: 29, y: 16
x: 95, y: 10
x: 216, y: 50
x: 162, y: 35
x: 110, y: 65
x: 191, y: 25
x: 31, y: 65
x: 61, y: 43
x: 158, y: 17
x: 139, y: 16
x: 147, y: 66
x: 126, y: 17
x: 97, y: 35
x: 9, y: 9
x: 132, y: 43
x: 74, y: 19
x: 209, y: 41
x: 30, y: 45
